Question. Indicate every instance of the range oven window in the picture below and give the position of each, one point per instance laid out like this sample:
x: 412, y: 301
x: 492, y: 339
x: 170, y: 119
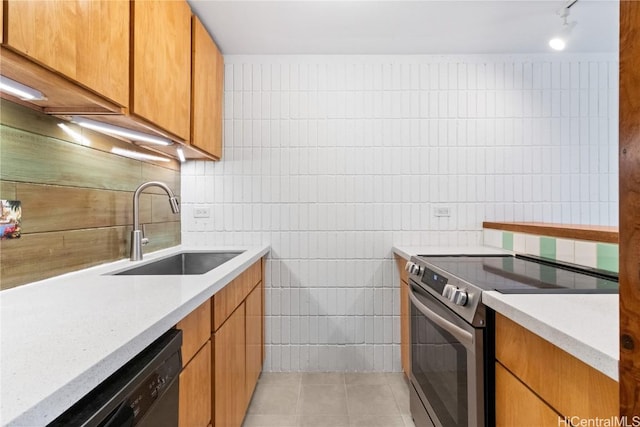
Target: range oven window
x: 439, y: 365
x: 447, y: 362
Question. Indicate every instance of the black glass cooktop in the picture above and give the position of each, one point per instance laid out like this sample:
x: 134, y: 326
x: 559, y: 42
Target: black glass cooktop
x: 520, y: 274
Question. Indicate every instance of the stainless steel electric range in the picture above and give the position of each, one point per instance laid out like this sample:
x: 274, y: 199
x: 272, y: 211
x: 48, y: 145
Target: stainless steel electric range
x: 451, y: 331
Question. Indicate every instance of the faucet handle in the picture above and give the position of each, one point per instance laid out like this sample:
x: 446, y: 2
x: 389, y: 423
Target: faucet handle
x: 144, y: 239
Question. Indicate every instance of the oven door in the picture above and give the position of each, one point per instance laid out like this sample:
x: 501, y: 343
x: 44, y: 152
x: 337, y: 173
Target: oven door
x: 446, y: 364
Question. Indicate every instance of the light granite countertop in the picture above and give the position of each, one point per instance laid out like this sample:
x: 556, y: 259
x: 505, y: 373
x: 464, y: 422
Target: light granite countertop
x: 584, y: 325
x: 61, y: 337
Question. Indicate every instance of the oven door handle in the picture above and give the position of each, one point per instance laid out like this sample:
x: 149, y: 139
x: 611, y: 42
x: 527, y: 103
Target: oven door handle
x: 460, y: 334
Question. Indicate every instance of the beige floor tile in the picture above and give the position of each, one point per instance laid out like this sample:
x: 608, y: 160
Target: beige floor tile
x: 396, y: 378
x: 323, y: 421
x: 271, y: 399
x: 253, y: 420
x: 401, y: 394
x: 323, y: 378
x: 376, y: 421
x: 365, y: 378
x: 280, y: 378
x: 408, y: 421
x: 322, y: 400
x: 372, y: 399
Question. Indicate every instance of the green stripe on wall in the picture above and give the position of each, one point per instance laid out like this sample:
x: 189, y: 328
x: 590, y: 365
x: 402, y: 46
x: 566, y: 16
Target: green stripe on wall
x: 507, y: 240
x: 608, y: 256
x: 548, y: 247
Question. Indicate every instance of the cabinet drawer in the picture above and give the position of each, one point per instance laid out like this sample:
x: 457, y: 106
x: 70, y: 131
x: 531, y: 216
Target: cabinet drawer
x: 529, y: 407
x: 195, y: 331
x: 569, y: 385
x: 230, y: 297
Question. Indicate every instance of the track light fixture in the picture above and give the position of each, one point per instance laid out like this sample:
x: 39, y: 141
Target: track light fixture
x: 559, y: 41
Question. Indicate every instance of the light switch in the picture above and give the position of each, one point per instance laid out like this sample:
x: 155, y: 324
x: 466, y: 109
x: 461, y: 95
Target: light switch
x: 442, y: 211
x: 201, y: 212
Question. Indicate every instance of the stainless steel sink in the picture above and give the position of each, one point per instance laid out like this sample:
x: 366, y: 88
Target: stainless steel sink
x: 182, y: 263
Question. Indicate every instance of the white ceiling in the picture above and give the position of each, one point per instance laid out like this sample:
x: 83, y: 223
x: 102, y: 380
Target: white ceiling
x: 404, y: 27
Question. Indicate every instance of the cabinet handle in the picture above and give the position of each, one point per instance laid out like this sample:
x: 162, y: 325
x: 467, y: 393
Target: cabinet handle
x: 460, y: 334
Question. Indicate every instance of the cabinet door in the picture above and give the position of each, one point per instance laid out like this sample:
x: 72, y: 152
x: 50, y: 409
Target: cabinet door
x: 405, y: 350
x: 195, y: 390
x: 207, y: 92
x: 516, y: 404
x: 87, y: 41
x: 229, y: 371
x: 161, y: 83
x: 569, y: 385
x: 253, y: 306
x: 195, y: 330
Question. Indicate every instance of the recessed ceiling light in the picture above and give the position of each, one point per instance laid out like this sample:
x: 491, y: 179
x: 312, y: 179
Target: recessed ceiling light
x: 120, y: 131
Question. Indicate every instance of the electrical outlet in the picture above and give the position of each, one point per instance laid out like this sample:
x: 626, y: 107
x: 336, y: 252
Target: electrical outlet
x: 442, y: 211
x: 201, y: 212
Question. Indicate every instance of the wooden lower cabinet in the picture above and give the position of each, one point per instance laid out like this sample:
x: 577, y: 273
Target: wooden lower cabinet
x: 195, y: 390
x: 195, y: 331
x: 230, y: 398
x: 195, y: 384
x: 516, y: 405
x: 222, y: 353
x: 405, y: 349
x: 567, y: 385
x: 254, y: 312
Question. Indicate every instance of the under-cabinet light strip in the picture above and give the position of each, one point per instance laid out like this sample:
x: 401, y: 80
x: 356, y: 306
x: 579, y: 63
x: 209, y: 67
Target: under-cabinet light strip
x: 181, y: 155
x: 75, y: 135
x: 138, y: 156
x: 120, y: 131
x: 23, y: 92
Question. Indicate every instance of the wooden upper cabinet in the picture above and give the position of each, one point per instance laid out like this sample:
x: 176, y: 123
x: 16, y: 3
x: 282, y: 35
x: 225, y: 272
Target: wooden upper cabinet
x: 161, y: 75
x: 206, y: 92
x: 86, y: 41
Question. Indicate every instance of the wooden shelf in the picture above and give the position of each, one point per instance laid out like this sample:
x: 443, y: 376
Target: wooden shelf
x: 598, y: 233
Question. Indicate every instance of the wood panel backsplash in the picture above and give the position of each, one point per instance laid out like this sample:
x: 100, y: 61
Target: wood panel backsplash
x: 77, y: 200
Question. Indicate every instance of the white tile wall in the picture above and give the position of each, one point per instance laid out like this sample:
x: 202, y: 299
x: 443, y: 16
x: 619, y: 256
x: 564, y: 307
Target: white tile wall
x: 333, y: 160
x: 492, y: 238
x: 586, y: 253
x: 565, y: 250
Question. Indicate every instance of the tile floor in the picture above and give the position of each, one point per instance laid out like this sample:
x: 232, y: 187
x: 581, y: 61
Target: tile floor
x: 330, y: 400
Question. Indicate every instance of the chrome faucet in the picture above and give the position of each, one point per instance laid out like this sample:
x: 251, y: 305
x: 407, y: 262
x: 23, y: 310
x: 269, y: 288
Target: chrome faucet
x: 137, y: 234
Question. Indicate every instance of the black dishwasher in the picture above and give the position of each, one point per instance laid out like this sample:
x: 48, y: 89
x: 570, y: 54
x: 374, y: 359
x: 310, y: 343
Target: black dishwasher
x: 144, y: 392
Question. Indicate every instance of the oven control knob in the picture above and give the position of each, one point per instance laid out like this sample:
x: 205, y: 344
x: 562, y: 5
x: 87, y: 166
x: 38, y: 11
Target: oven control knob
x: 448, y: 291
x: 459, y: 297
x: 413, y: 268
